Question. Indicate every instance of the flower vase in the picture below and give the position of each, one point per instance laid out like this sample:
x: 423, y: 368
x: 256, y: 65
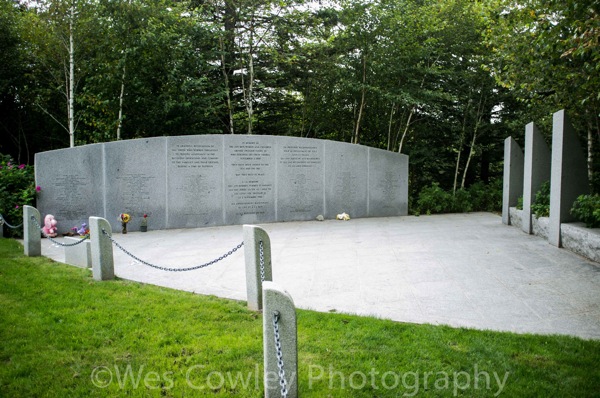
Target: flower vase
x: 124, y: 228
x: 143, y: 228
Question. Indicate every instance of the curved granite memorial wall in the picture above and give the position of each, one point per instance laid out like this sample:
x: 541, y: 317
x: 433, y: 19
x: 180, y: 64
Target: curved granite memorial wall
x: 207, y: 180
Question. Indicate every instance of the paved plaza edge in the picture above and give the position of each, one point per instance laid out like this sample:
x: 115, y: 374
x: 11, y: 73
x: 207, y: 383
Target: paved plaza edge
x: 461, y: 270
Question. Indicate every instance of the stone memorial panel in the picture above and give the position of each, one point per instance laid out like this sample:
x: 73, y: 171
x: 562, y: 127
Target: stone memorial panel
x: 136, y: 182
x: 346, y: 177
x: 536, y: 171
x: 300, y: 179
x: 388, y: 183
x: 512, y: 186
x: 249, y: 184
x: 72, y: 184
x: 568, y: 174
x: 195, y: 181
x: 201, y: 180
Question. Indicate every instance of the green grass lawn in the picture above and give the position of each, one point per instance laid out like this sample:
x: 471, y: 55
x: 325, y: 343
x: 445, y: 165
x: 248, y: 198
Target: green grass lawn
x: 64, y: 334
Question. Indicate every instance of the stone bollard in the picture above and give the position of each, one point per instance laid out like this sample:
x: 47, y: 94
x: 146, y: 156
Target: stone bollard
x: 32, y: 238
x: 277, y: 300
x: 253, y: 236
x: 103, y: 267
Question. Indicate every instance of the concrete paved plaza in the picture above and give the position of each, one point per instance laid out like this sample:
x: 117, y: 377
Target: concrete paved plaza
x: 459, y: 269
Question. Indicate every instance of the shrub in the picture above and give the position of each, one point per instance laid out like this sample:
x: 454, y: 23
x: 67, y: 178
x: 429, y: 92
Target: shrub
x: 520, y: 203
x: 587, y: 209
x: 486, y: 197
x: 462, y: 202
x: 541, y: 205
x: 17, y: 188
x: 434, y: 199
x: 478, y: 197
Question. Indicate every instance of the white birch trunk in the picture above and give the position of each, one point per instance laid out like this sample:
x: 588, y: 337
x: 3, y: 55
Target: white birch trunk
x: 392, y: 110
x: 71, y: 95
x: 412, y: 111
x: 362, y: 102
x: 121, y: 104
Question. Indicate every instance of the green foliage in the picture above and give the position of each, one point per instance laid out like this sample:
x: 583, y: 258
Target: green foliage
x: 587, y: 209
x: 441, y: 81
x: 17, y: 188
x: 520, y: 203
x: 486, y: 197
x: 434, y: 199
x: 60, y: 337
x: 541, y: 204
x: 478, y: 197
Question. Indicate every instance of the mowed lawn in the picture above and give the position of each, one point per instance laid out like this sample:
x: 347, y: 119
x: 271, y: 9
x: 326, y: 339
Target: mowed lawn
x: 62, y: 334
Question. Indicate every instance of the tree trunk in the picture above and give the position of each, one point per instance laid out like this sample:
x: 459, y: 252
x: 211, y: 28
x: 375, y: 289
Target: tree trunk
x: 412, y: 111
x: 250, y: 102
x: 471, y: 152
x: 389, y: 141
x: 479, y: 116
x: 460, y: 145
x: 457, y: 164
x: 227, y: 86
x: 121, y: 104
x: 410, y: 115
x: 590, y: 151
x: 362, y: 102
x: 71, y: 89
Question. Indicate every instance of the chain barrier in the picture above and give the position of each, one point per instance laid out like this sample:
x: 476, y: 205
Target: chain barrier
x: 262, y: 261
x: 282, y: 382
x: 37, y: 224
x: 3, y: 221
x: 229, y: 253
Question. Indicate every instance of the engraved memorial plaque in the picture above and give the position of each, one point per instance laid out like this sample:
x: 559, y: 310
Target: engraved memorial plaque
x: 195, y: 181
x: 135, y: 179
x: 249, y: 179
x: 299, y: 179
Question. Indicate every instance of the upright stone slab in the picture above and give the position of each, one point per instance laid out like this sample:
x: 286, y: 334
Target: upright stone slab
x: 249, y: 179
x: 195, y: 181
x: 346, y: 179
x: 300, y: 168
x: 388, y: 183
x: 136, y: 178
x: 32, y: 238
x: 103, y: 267
x: 513, y: 177
x: 537, y: 171
x: 255, y: 238
x: 72, y: 182
x: 569, y: 177
x: 275, y: 299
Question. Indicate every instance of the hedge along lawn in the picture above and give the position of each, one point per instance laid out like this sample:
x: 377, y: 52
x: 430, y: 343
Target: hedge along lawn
x: 64, y: 334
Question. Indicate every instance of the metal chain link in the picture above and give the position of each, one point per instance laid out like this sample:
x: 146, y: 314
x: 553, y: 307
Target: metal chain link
x: 229, y: 253
x: 37, y: 224
x: 3, y: 221
x: 282, y: 382
x: 262, y: 261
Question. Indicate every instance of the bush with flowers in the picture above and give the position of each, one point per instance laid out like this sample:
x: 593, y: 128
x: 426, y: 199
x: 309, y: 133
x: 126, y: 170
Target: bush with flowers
x: 17, y: 188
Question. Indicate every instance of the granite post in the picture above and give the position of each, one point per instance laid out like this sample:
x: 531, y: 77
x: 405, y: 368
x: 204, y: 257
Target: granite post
x: 254, y: 238
x: 103, y: 267
x: 278, y: 301
x: 537, y: 171
x: 513, y: 177
x: 32, y: 238
x: 568, y: 178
